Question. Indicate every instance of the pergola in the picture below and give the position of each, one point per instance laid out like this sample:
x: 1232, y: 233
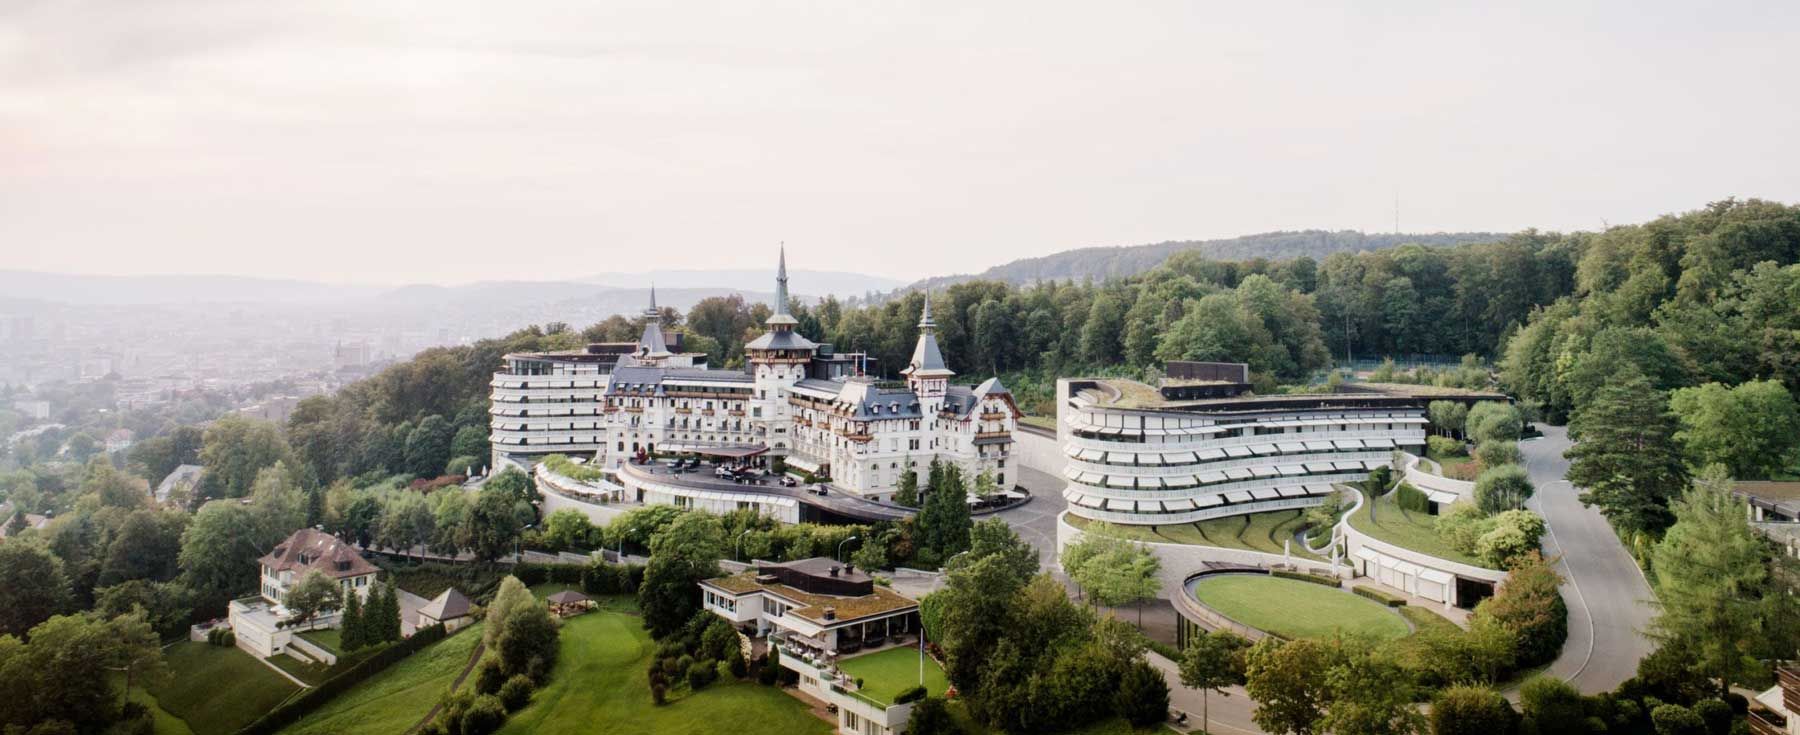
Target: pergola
x: 570, y: 602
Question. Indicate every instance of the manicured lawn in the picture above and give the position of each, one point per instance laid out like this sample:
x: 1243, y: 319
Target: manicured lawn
x: 1423, y: 619
x: 327, y: 638
x: 1262, y: 532
x: 1109, y: 726
x: 1296, y: 609
x: 218, y: 690
x: 615, y: 603
x: 1384, y: 519
x: 316, y: 673
x: 1453, y: 466
x: 161, y: 721
x: 599, y: 686
x: 888, y: 673
x: 1042, y: 422
x: 395, y: 699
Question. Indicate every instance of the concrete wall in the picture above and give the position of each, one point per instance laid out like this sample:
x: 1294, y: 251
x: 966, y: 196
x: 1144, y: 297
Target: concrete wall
x: 561, y: 492
x: 1426, y: 481
x: 1036, y: 448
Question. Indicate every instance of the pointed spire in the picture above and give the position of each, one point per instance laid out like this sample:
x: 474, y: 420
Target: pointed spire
x: 925, y: 320
x: 781, y: 294
x: 653, y: 296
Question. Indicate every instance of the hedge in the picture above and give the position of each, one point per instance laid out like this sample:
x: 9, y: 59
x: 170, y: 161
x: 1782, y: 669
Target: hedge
x: 308, y: 700
x: 1379, y: 596
x: 1412, y: 499
x: 1307, y: 577
x: 597, y: 578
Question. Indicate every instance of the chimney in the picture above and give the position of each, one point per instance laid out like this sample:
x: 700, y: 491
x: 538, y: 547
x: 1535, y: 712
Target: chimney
x: 849, y: 568
x: 834, y: 570
x: 830, y: 613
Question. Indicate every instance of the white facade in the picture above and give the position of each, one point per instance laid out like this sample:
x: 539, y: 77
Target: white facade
x: 1164, y: 462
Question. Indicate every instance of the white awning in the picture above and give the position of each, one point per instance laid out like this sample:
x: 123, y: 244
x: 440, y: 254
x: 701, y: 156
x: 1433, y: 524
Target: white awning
x: 1265, y: 493
x: 1211, y: 476
x: 1440, y: 497
x: 1091, y: 455
x: 1379, y: 443
x: 1291, y: 447
x: 802, y: 463
x: 1292, y: 491
x: 1088, y: 501
x: 1291, y: 470
x: 1238, y: 496
x: 1347, y: 466
x: 1347, y: 444
x: 1207, y: 455
x: 1072, y: 472
x: 1433, y: 575
x: 1178, y: 458
x: 1265, y: 471
x: 1091, y: 478
x: 1119, y: 481
x: 1122, y: 458
x: 1237, y: 451
x: 1318, y: 490
x: 1128, y: 506
x: 1208, y: 501
x: 1238, y: 473
x: 1320, y: 467
x: 1263, y: 449
x: 1319, y: 446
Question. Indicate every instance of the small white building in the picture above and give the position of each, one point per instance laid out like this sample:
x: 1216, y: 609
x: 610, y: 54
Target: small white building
x: 816, y: 612
x: 256, y: 620
x: 452, y: 609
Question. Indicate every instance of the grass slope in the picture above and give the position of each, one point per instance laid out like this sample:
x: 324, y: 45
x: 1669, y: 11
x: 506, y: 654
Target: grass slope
x: 218, y: 690
x: 599, y: 686
x: 1296, y: 609
x: 1384, y: 519
x: 1262, y: 532
x: 395, y: 699
x: 888, y: 673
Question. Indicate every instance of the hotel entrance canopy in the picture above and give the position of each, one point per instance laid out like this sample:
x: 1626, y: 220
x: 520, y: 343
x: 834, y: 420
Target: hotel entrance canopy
x: 729, y: 451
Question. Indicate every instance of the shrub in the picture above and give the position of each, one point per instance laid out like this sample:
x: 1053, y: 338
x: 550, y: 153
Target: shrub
x: 1494, y: 421
x: 489, y: 676
x: 484, y: 716
x: 1443, y: 446
x: 1378, y: 480
x: 1462, y: 526
x: 1379, y: 596
x: 659, y: 693
x: 1717, y: 715
x: 1412, y: 499
x: 516, y: 692
x: 1553, y: 705
x: 1674, y: 719
x: 702, y: 673
x: 1321, y: 579
x: 1498, y: 453
x: 1529, y: 606
x: 1143, y: 696
x: 1471, y: 710
x: 931, y: 717
x: 1510, y: 535
x: 765, y: 670
x: 462, y: 466
x: 739, y: 669
x: 1502, y: 488
x: 911, y: 695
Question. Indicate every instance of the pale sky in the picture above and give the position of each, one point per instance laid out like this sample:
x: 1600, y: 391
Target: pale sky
x: 458, y: 140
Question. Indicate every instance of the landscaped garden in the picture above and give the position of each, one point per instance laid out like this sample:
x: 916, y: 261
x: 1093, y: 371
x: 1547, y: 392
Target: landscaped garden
x: 397, y: 698
x: 1295, y: 609
x: 218, y: 689
x: 886, y: 674
x: 1260, y: 532
x: 1384, y: 520
x: 598, y: 686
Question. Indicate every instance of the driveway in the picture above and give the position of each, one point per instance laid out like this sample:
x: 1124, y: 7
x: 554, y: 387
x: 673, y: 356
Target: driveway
x: 1036, y: 521
x: 1609, y: 600
x: 409, y: 610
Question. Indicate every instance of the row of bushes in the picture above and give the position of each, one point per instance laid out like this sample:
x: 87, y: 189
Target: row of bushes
x: 692, y: 654
x: 566, y: 467
x: 1320, y: 579
x: 302, y: 705
x: 595, y: 578
x: 1379, y: 596
x: 521, y: 643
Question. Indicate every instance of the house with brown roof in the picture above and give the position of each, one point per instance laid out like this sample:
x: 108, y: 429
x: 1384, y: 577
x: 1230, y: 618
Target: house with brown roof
x: 258, y: 621
x: 451, y: 608
x: 817, y: 612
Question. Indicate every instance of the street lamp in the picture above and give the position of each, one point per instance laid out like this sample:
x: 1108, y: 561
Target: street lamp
x: 739, y: 553
x: 622, y: 545
x: 519, y: 543
x: 840, y: 548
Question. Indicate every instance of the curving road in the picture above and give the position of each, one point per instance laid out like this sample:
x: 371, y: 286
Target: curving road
x: 1609, y: 599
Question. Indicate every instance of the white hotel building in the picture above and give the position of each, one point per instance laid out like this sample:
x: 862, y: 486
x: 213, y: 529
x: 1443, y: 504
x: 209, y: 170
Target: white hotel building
x: 795, y: 399
x: 1199, y: 446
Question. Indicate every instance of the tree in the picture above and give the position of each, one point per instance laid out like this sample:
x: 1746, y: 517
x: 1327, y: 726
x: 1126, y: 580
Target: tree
x: 65, y: 671
x: 1494, y: 421
x: 166, y: 605
x: 1530, y: 607
x: 470, y: 441
x: 112, y: 488
x: 512, y: 593
x: 527, y: 641
x: 931, y: 717
x: 1471, y: 710
x: 314, y: 594
x: 907, y: 493
x: 235, y: 448
x: 1113, y: 571
x: 352, y: 632
x: 1625, y: 456
x: 381, y: 616
x: 514, y: 483
x: 1752, y: 429
x: 406, y: 522
x: 1142, y: 697
x: 944, y: 522
x: 1498, y: 453
x: 995, y: 538
x: 146, y: 546
x: 1372, y: 695
x: 1717, y: 595
x: 493, y: 523
x: 1510, y: 535
x: 569, y: 528
x: 1553, y: 705
x: 1448, y: 416
x: 681, y: 555
x: 1503, y: 488
x: 33, y: 586
x: 1288, y: 680
x: 1210, y: 663
x: 428, y: 446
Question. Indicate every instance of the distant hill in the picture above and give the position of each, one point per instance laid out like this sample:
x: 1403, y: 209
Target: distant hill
x: 181, y: 289
x: 1101, y: 263
x: 815, y: 283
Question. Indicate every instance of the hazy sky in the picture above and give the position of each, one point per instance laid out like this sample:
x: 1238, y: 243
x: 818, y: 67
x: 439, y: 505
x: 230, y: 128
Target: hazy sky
x: 455, y: 140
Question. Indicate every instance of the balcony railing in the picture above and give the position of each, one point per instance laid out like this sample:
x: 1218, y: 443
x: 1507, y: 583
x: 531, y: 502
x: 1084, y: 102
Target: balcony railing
x: 1764, y: 722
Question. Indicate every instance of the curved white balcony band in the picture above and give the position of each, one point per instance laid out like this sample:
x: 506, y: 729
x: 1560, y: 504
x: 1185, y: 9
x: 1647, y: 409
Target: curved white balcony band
x: 1206, y: 495
x: 1398, y: 436
x: 1134, y: 518
x: 1190, y: 469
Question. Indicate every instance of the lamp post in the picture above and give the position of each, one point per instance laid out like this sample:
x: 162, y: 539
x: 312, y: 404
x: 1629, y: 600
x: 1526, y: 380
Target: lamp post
x: 519, y: 543
x: 840, y: 547
x: 622, y: 545
x: 739, y: 553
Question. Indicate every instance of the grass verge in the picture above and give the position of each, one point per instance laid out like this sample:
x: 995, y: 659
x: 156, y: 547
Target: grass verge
x: 217, y: 690
x: 1295, y: 609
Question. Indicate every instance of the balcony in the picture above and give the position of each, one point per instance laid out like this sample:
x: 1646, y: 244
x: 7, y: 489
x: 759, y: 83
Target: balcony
x: 1764, y: 722
x: 993, y: 416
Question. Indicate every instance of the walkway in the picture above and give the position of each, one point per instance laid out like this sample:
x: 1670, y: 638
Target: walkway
x: 1609, y: 599
x: 1230, y: 715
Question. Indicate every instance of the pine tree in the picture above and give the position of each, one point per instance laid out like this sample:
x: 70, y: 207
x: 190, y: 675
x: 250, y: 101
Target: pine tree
x: 944, y: 520
x: 908, y: 493
x: 384, y: 623
x: 1625, y: 457
x: 350, y: 630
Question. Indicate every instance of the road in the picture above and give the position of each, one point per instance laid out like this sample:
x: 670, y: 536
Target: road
x: 1609, y: 599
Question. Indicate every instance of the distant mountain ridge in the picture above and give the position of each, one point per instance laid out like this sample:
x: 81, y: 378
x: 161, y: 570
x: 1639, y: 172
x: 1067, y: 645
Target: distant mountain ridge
x: 817, y: 283
x: 1101, y: 263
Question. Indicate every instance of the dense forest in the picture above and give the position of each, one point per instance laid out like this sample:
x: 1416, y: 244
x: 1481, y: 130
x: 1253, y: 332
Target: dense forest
x: 1103, y: 263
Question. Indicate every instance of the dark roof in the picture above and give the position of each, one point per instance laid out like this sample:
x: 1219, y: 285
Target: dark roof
x: 781, y: 340
x: 310, y: 549
x: 450, y: 605
x: 568, y: 596
x: 652, y: 377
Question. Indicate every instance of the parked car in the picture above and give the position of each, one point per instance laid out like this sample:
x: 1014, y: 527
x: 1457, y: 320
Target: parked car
x: 788, y: 481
